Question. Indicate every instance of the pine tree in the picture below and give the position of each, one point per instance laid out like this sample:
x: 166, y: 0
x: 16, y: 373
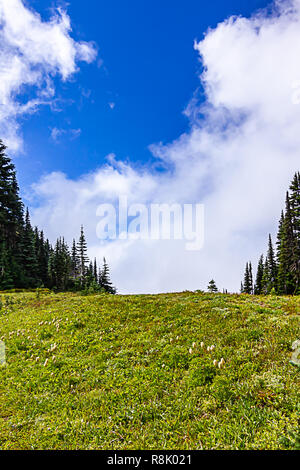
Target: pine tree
x: 266, y: 278
x: 11, y: 207
x: 60, y: 265
x: 272, y: 281
x: 258, y: 289
x: 29, y: 258
x: 251, y: 278
x: 82, y: 256
x: 95, y: 270
x: 74, y: 261
x: 6, y: 278
x: 26, y: 259
x: 248, y: 280
x: 212, y: 287
x: 104, y: 281
x: 295, y: 217
x: 289, y: 255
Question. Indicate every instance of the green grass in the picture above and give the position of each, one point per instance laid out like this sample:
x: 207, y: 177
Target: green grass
x: 123, y: 372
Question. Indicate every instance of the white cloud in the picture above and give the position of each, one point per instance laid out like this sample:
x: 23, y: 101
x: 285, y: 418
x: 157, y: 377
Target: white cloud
x: 57, y: 133
x: 32, y: 52
x: 237, y: 158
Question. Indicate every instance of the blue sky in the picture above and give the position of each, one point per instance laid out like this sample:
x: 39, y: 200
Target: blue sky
x: 85, y: 80
x: 146, y: 67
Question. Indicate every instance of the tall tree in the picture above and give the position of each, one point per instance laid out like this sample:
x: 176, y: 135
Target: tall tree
x: 272, y: 281
x: 82, y: 255
x: 248, y: 280
x: 29, y: 257
x: 258, y: 288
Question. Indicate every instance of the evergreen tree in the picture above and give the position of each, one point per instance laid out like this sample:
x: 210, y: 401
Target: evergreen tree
x: 74, y: 261
x: 289, y: 256
x: 29, y: 257
x: 60, y: 265
x: 82, y: 256
x: 295, y: 218
x: 258, y: 289
x: 11, y: 207
x: 95, y: 270
x: 26, y: 259
x: 272, y: 281
x: 248, y: 280
x: 266, y: 278
x: 104, y: 281
x: 212, y: 287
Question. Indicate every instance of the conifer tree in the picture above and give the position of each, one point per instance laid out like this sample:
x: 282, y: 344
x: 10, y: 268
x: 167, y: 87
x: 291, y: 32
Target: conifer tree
x: 258, y: 289
x: 212, y: 287
x: 104, y: 281
x: 74, y: 261
x: 295, y: 216
x: 29, y: 258
x: 95, y: 270
x: 272, y: 281
x: 248, y: 280
x: 82, y: 256
x: 289, y: 254
x: 26, y: 259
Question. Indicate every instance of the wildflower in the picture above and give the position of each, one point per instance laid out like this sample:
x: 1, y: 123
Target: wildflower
x: 215, y: 362
x: 46, y: 362
x: 202, y: 344
x: 37, y: 359
x: 194, y: 344
x: 221, y: 363
x: 190, y: 351
x: 212, y: 347
x: 208, y: 348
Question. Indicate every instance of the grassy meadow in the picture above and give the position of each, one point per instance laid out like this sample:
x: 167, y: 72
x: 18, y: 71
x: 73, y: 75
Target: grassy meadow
x: 135, y: 372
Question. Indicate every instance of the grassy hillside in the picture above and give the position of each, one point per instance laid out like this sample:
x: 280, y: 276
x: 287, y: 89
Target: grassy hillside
x: 122, y: 372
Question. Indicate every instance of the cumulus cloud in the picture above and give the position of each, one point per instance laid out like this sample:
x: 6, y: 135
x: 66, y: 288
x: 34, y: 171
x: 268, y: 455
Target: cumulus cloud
x: 32, y: 52
x: 237, y: 158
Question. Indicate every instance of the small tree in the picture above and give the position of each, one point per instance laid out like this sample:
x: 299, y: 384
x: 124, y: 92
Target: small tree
x: 212, y: 287
x: 104, y: 279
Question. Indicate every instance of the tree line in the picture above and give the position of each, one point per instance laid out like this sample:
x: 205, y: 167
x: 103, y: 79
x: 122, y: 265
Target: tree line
x: 279, y: 271
x: 28, y: 260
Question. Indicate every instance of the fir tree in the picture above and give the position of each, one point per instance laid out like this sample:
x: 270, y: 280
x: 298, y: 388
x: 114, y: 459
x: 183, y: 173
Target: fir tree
x: 212, y: 287
x: 82, y: 256
x: 29, y: 258
x: 295, y: 217
x: 248, y: 280
x: 26, y: 259
x: 258, y: 289
x: 272, y: 281
x: 104, y: 281
x: 95, y: 270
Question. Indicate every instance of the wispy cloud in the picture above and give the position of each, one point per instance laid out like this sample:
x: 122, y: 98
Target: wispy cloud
x: 57, y: 133
x: 32, y: 52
